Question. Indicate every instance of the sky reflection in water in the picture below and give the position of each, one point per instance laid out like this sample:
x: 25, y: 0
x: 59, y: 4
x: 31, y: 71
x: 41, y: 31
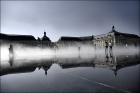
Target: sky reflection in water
x: 71, y: 73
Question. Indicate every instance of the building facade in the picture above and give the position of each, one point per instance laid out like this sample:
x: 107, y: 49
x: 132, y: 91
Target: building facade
x: 117, y: 39
x: 66, y: 41
x: 26, y: 40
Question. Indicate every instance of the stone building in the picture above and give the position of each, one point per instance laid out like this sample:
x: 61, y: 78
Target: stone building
x: 66, y: 41
x: 17, y: 39
x: 25, y: 40
x: 117, y: 39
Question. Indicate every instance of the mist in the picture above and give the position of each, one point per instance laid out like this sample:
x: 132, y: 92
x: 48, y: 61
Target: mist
x: 34, y: 53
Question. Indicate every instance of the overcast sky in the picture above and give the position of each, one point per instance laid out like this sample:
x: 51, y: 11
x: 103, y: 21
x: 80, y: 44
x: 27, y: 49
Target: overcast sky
x: 68, y: 18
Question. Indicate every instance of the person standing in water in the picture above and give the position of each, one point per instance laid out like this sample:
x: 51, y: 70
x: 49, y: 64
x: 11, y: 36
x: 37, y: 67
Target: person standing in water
x: 110, y: 48
x: 95, y: 47
x: 126, y: 46
x: 11, y: 50
x: 106, y: 48
x: 79, y: 49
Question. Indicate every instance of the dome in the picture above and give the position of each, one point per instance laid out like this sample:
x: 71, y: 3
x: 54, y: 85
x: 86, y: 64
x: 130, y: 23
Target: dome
x: 45, y: 38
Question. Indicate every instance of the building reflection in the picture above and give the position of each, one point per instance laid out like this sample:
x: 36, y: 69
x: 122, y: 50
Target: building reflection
x: 117, y: 62
x: 113, y: 63
x: 75, y: 61
x: 24, y: 66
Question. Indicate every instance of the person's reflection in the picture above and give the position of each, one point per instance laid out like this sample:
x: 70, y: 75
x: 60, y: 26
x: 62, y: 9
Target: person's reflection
x: 79, y: 57
x: 111, y: 61
x: 93, y: 65
x: 106, y: 58
x: 115, y: 73
x: 111, y: 53
x: 11, y: 60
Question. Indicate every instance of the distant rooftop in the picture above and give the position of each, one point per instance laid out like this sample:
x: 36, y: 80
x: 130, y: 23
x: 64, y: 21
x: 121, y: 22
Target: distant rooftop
x: 11, y: 36
x: 118, y: 33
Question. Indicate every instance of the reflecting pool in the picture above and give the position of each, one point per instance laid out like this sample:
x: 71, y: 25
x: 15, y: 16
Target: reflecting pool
x: 71, y: 73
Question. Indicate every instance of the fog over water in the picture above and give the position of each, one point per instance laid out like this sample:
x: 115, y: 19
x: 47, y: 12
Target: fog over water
x: 67, y: 69
x: 37, y: 52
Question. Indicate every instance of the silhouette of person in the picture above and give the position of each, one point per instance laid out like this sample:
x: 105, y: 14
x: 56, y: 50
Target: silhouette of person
x: 11, y: 50
x: 106, y: 48
x: 126, y: 46
x: 95, y: 47
x: 111, y: 61
x: 135, y: 44
x: 93, y: 65
x: 115, y: 73
x: 79, y: 49
x: 110, y: 49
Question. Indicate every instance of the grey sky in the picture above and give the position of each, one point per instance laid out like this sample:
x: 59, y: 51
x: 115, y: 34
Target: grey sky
x: 68, y: 18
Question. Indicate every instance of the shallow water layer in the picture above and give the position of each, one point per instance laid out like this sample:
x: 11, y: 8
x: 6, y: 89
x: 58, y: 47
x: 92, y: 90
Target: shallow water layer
x: 71, y: 73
